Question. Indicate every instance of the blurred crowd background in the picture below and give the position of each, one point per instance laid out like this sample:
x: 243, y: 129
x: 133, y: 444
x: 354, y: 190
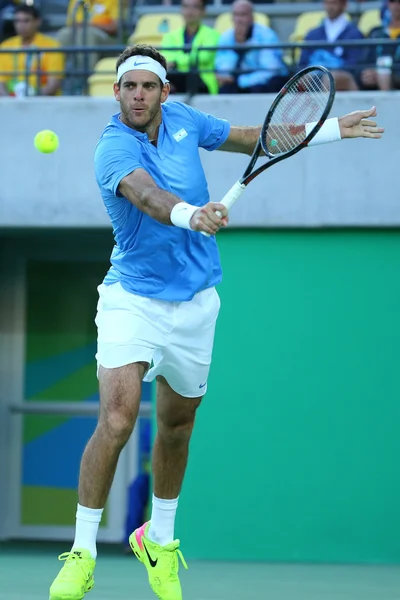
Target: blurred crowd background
x: 55, y: 47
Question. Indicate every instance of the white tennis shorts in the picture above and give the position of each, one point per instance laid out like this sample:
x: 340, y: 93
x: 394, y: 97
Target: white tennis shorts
x: 175, y: 338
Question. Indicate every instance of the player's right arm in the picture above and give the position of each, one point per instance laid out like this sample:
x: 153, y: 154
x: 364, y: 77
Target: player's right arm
x: 140, y: 188
x: 119, y: 171
x: 142, y: 191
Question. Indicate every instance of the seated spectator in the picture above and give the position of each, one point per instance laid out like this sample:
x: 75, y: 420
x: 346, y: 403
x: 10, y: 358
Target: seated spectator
x: 386, y: 74
x: 194, y: 34
x: 101, y: 28
x: 13, y: 67
x: 244, y: 70
x: 341, y: 61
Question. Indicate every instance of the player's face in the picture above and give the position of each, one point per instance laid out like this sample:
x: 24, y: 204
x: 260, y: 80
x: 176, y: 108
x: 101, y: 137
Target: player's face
x: 140, y: 95
x: 334, y: 8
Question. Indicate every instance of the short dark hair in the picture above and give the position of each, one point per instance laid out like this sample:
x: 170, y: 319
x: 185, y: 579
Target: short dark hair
x: 28, y: 9
x: 141, y: 50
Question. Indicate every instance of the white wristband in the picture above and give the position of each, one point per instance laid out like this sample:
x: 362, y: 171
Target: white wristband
x: 182, y: 213
x: 329, y: 132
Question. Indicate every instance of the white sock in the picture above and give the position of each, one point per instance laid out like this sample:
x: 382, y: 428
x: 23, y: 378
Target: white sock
x: 162, y: 522
x: 87, y: 525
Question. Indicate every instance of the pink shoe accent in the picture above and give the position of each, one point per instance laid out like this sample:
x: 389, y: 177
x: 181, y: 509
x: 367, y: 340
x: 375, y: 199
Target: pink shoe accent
x: 139, y: 534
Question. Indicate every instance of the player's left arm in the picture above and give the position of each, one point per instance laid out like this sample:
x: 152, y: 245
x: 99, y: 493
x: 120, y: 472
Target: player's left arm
x: 241, y: 139
x: 354, y: 125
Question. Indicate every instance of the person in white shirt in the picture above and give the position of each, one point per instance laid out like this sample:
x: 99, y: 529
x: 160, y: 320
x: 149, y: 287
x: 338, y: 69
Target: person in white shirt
x: 344, y: 62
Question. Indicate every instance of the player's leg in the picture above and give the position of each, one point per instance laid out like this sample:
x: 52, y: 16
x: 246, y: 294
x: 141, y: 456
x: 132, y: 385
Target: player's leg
x: 181, y: 384
x: 154, y: 543
x: 184, y: 369
x: 175, y: 422
x: 120, y: 392
x: 130, y: 328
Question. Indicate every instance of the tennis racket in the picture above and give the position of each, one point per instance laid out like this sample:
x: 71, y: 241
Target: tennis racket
x: 294, y: 118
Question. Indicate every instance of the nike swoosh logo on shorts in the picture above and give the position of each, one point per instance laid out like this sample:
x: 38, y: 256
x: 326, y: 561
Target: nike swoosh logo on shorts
x: 151, y: 561
x: 202, y: 385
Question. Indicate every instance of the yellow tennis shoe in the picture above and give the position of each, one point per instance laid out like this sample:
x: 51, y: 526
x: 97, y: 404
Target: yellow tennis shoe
x: 76, y: 576
x: 161, y: 562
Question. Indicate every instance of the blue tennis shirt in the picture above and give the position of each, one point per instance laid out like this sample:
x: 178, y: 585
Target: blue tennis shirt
x: 149, y: 258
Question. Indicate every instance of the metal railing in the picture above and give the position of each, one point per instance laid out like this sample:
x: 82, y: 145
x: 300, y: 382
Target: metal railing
x: 85, y: 8
x: 67, y: 409
x: 291, y: 50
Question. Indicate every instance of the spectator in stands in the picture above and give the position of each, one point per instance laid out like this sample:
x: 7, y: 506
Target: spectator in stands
x: 13, y: 67
x: 194, y: 34
x: 386, y: 74
x: 244, y: 70
x: 344, y: 62
x: 101, y: 27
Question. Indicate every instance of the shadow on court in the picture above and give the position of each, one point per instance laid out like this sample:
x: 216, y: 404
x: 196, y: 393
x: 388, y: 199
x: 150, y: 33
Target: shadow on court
x: 27, y: 569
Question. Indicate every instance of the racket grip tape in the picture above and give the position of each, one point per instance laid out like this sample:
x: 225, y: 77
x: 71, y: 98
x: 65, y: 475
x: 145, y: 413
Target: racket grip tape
x: 229, y: 199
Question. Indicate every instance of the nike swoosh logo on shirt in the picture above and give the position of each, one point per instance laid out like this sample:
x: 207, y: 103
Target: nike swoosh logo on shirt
x: 152, y: 562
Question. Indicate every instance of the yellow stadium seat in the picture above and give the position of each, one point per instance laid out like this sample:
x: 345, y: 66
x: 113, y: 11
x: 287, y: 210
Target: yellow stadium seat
x: 224, y: 21
x: 304, y: 23
x: 369, y: 20
x: 106, y: 65
x: 101, y: 82
x: 150, y: 29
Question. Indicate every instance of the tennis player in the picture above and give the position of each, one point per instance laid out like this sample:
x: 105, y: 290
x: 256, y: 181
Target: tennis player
x: 158, y: 304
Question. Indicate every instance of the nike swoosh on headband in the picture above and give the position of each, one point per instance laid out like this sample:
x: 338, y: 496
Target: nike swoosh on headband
x: 146, y: 62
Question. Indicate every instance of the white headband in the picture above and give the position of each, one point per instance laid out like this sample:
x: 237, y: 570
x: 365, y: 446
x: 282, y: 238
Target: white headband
x: 135, y: 63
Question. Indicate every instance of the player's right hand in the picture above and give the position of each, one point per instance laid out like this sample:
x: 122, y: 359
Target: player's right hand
x: 210, y: 218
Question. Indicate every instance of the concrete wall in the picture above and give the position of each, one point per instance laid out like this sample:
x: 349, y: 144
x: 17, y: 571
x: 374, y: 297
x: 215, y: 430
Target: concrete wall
x: 351, y: 183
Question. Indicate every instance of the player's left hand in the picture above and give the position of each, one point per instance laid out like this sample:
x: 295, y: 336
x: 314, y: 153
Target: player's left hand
x: 358, y: 124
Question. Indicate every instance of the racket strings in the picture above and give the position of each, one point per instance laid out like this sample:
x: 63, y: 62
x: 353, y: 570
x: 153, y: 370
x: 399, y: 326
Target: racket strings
x: 304, y: 101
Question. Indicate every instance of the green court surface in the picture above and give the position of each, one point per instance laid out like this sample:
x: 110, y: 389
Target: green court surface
x: 26, y: 570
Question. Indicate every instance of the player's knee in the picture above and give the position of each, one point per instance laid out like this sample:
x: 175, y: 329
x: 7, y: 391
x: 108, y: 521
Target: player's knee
x: 176, y: 435
x: 177, y: 430
x: 118, y: 423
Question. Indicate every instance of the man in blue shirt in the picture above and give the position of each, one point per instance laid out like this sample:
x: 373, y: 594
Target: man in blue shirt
x: 158, y: 305
x: 344, y: 61
x: 245, y: 70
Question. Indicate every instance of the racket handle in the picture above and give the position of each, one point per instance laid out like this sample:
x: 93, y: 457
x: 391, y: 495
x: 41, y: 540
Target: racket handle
x: 229, y: 199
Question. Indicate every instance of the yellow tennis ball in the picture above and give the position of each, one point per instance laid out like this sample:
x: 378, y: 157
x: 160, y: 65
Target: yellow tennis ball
x: 46, y: 141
